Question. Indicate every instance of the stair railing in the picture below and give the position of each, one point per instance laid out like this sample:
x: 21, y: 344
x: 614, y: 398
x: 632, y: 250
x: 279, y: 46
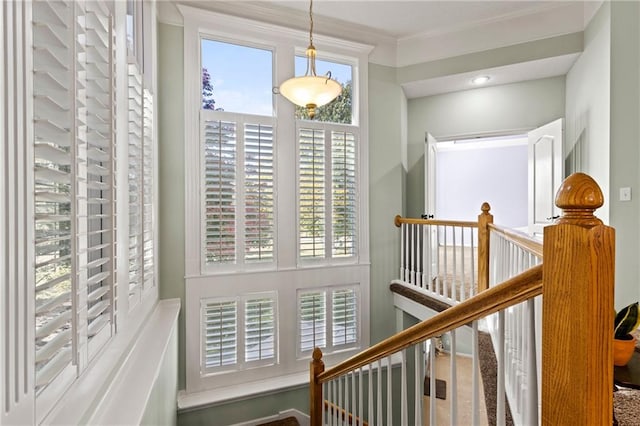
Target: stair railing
x: 577, y: 365
x: 516, y: 331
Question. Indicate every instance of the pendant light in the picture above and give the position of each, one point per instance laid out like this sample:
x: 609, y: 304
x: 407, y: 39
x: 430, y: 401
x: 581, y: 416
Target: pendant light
x: 311, y: 91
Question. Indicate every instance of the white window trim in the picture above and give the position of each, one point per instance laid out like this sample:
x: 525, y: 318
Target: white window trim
x: 199, y: 22
x: 288, y: 276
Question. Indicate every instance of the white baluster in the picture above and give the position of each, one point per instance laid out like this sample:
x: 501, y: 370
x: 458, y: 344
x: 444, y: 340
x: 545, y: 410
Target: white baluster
x: 389, y: 392
x: 455, y: 265
x: 329, y: 417
x: 403, y: 388
x: 379, y: 396
x: 500, y: 397
x: 418, y: 351
x: 432, y: 382
x: 454, y: 378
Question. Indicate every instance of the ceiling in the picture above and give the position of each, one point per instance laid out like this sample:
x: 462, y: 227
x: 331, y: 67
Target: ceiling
x: 425, y: 33
x: 401, y: 19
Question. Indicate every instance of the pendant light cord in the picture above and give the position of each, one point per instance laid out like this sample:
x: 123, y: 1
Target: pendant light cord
x: 311, y: 22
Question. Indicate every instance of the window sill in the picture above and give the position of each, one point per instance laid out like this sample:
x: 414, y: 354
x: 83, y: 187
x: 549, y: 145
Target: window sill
x: 194, y: 401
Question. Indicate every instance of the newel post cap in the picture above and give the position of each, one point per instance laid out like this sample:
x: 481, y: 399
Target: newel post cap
x: 578, y: 197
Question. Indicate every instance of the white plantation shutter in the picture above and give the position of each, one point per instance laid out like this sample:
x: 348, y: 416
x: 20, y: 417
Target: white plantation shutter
x: 99, y: 239
x: 220, y: 333
x: 148, y: 171
x: 135, y: 184
x: 239, y: 209
x: 55, y: 229
x: 344, y: 315
x: 74, y: 185
x: 258, y: 193
x: 312, y: 189
x: 220, y: 191
x: 312, y: 320
x: 343, y: 194
x: 141, y: 172
x: 321, y: 310
x: 327, y: 182
x: 239, y: 332
x: 260, y: 329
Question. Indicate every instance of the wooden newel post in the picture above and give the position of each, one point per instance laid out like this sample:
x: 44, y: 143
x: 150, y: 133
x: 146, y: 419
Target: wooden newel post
x: 315, y: 388
x: 578, y: 310
x: 484, y: 219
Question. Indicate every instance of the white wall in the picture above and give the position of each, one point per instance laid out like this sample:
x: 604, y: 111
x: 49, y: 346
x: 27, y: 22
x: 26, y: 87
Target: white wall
x: 587, y: 107
x: 518, y: 106
x: 467, y: 178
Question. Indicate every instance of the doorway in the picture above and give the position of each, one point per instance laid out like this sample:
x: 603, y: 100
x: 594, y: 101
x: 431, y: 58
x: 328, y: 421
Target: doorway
x: 469, y: 172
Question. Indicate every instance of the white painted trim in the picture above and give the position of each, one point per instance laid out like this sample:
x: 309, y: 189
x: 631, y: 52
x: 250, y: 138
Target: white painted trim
x: 222, y: 24
x: 241, y: 391
x: 288, y: 275
x: 86, y: 394
x: 130, y: 391
x: 302, y: 418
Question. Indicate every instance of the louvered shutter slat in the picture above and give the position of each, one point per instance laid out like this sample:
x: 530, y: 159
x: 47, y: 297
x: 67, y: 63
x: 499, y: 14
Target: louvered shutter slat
x: 53, y: 83
x: 311, y: 193
x: 344, y: 214
x: 344, y: 315
x: 259, y: 329
x: 312, y: 317
x: 259, y: 184
x: 220, y: 320
x: 220, y: 194
x: 135, y: 184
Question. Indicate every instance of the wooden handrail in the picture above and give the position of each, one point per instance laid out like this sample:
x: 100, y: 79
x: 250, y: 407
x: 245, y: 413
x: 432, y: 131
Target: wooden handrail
x: 520, y: 239
x: 511, y: 292
x: 398, y: 220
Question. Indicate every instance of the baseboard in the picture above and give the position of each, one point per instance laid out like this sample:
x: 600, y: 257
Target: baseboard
x: 302, y: 418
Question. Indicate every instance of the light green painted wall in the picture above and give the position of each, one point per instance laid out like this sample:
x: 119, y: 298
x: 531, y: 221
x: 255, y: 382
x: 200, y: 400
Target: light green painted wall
x: 171, y: 175
x: 518, y: 106
x: 587, y: 106
x: 387, y: 148
x: 625, y: 146
x: 249, y: 409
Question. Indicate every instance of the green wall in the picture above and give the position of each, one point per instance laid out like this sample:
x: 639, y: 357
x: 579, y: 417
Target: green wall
x: 248, y: 409
x: 386, y: 181
x: 511, y: 107
x: 625, y: 149
x: 171, y: 175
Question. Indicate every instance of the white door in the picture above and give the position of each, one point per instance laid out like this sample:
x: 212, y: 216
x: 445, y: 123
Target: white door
x: 430, y: 153
x: 546, y: 172
x: 430, y: 258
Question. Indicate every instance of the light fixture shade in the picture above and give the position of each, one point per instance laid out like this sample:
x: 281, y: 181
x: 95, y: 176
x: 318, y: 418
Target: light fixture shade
x: 310, y: 90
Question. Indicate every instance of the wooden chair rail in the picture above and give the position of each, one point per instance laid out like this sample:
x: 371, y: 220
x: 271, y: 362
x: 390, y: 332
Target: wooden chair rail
x: 398, y: 220
x: 520, y: 239
x: 511, y: 292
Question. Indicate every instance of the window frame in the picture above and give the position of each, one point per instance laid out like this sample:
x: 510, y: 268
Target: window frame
x: 288, y: 275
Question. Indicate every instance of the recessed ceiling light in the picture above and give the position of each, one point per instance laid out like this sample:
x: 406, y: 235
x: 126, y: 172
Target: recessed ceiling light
x: 480, y: 80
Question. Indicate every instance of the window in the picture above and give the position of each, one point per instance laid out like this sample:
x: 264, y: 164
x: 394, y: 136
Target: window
x: 238, y: 154
x: 328, y: 193
x: 327, y: 319
x: 77, y: 204
x: 239, y: 333
x: 74, y: 190
x: 275, y: 209
x: 340, y: 110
